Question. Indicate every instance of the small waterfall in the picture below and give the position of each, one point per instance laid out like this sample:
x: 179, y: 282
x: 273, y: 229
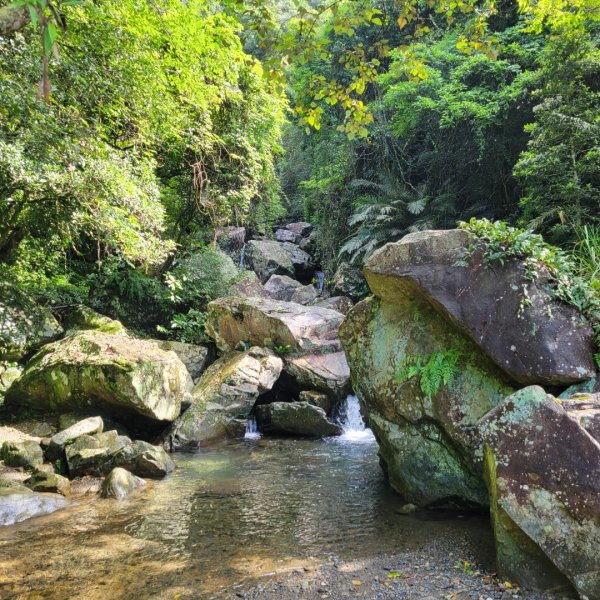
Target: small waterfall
x: 252, y: 432
x: 353, y: 425
x: 320, y: 277
x: 243, y: 258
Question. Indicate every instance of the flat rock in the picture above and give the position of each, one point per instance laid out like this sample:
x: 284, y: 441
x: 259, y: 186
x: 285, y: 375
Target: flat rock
x: 272, y: 323
x: 19, y: 505
x: 297, y: 418
x: 327, y: 373
x: 57, y: 444
x: 110, y: 373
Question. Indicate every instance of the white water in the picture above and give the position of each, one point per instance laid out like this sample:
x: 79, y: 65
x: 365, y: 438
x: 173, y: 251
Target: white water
x: 252, y: 432
x: 353, y: 425
x: 243, y: 258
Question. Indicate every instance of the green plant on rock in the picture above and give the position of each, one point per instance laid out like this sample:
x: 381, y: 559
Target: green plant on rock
x: 188, y: 328
x: 434, y: 371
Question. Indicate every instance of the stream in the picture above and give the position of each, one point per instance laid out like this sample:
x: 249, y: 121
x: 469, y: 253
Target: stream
x: 230, y: 517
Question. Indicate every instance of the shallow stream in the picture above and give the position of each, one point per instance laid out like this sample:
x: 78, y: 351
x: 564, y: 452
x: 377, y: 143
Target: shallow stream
x: 228, y: 517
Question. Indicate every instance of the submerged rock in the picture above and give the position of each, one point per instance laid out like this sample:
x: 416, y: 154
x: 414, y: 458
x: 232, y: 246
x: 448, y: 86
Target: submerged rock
x: 26, y: 453
x: 224, y: 397
x: 543, y: 471
x: 19, y: 505
x: 118, y: 375
x: 120, y: 483
x: 297, y: 418
x: 24, y: 325
x: 271, y: 323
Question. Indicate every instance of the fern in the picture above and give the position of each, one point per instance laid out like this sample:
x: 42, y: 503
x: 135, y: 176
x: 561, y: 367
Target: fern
x: 436, y: 370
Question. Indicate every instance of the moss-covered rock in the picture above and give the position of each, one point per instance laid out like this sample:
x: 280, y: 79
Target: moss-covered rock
x: 24, y: 325
x: 26, y: 453
x: 224, y: 398
x: 111, y: 373
x: 49, y: 483
x: 295, y: 418
x: 9, y: 373
x: 82, y: 318
x: 143, y: 459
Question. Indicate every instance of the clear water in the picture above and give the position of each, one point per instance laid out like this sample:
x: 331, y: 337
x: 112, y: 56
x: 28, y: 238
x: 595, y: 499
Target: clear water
x: 228, y: 517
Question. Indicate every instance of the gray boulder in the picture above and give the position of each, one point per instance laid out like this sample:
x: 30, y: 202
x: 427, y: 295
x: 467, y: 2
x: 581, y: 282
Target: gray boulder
x: 57, y: 443
x: 144, y: 459
x: 267, y: 257
x: 27, y: 454
x: 328, y: 373
x: 92, y: 454
x: 297, y: 418
x: 19, y: 505
x: 301, y: 228
x: 281, y: 287
x: 24, y: 325
x: 195, y: 357
x: 285, y: 235
x: 120, y: 483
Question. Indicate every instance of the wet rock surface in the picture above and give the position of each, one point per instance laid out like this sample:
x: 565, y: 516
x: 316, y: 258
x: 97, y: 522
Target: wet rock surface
x: 120, y: 483
x: 296, y: 418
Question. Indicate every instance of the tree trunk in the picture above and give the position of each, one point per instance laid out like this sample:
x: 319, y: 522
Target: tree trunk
x: 12, y: 19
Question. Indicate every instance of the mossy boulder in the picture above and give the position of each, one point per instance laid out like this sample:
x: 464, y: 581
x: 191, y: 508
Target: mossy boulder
x: 26, y: 453
x: 82, y: 318
x: 9, y: 373
x: 119, y: 375
x: 349, y: 281
x: 295, y: 418
x: 224, y: 398
x: 143, y: 459
x: 50, y: 483
x: 24, y: 325
x: 195, y: 357
x: 92, y: 454
x: 380, y: 336
x: 543, y: 473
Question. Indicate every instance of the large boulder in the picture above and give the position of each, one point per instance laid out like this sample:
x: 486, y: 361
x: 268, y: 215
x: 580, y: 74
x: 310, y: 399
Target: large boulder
x: 529, y: 333
x: 267, y: 257
x: 349, y: 281
x: 195, y: 357
x: 120, y: 483
x: 285, y: 235
x: 24, y: 325
x: 144, y: 459
x: 82, y: 318
x: 304, y: 267
x: 9, y: 373
x: 248, y: 285
x: 281, y: 287
x: 543, y: 472
x: 92, y: 454
x: 301, y: 228
x: 270, y: 323
x: 121, y: 376
x: 296, y: 418
x: 16, y: 505
x: 224, y: 398
x: 425, y: 431
x: 27, y: 454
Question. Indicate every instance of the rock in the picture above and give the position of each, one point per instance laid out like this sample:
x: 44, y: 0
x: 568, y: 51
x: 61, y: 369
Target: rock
x: 196, y: 358
x: 327, y: 373
x: 9, y: 373
x: 144, y: 460
x: 298, y: 418
x: 543, y: 472
x: 323, y: 401
x: 231, y: 238
x: 271, y: 323
x: 10, y: 434
x: 549, y: 343
x: 27, y: 454
x: 42, y: 481
x: 224, y: 398
x: 82, y: 318
x: 121, y: 376
x: 407, y: 509
x: 341, y: 304
x: 285, y: 235
x: 266, y: 258
x: 349, y: 281
x: 282, y: 287
x: 120, y: 483
x: 248, y: 286
x: 18, y: 505
x: 585, y: 410
x: 39, y: 429
x: 24, y: 325
x: 305, y: 295
x: 204, y: 265
x: 57, y: 444
x: 92, y: 454
x: 301, y: 228
x: 428, y: 445
x: 590, y: 386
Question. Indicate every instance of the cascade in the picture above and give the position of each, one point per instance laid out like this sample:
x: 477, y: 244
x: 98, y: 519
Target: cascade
x: 252, y: 432
x: 353, y: 424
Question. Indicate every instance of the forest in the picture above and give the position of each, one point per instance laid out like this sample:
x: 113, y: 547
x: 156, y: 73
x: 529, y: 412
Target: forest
x: 130, y: 131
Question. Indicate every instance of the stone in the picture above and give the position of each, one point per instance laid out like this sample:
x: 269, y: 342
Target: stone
x: 304, y: 267
x: 19, y: 505
x: 143, y: 459
x: 224, y: 398
x: 195, y: 357
x: 42, y: 481
x: 10, y: 434
x: 548, y: 342
x: 119, y: 375
x: 57, y: 444
x: 585, y: 410
x: 27, y: 454
x: 341, y: 304
x: 82, y: 318
x: 327, y: 373
x: 120, y: 483
x: 271, y: 323
x: 301, y: 228
x: 296, y: 418
x: 285, y: 235
x: 543, y: 473
x: 24, y: 325
x: 92, y: 454
x: 9, y: 373
x: 205, y: 264
x: 323, y: 401
x: 248, y: 286
x: 428, y: 443
x: 305, y: 295
x: 282, y: 287
x: 349, y: 281
x: 268, y: 257
x: 590, y: 386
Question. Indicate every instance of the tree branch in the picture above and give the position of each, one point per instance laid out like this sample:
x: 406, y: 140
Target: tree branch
x: 13, y: 19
